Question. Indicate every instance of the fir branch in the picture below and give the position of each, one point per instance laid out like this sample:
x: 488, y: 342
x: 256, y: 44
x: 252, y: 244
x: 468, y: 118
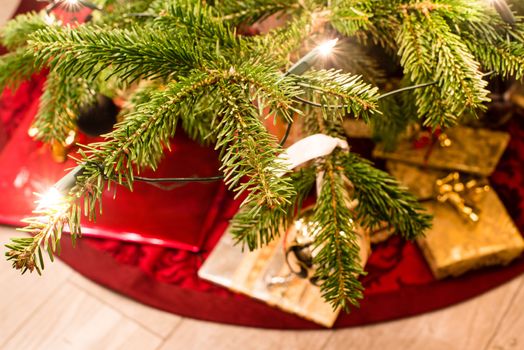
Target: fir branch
x: 16, y: 31
x: 250, y: 11
x: 60, y: 103
x: 249, y: 151
x: 152, y: 123
x: 16, y: 67
x: 256, y: 226
x: 197, y: 20
x: 358, y: 97
x: 351, y: 16
x: 336, y: 242
x: 26, y: 254
x: 430, y: 51
x: 381, y: 199
x: 498, y: 46
x: 132, y: 54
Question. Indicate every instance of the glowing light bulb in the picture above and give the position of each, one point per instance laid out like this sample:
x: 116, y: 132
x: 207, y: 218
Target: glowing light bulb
x: 71, y: 5
x: 49, y: 19
x: 52, y: 199
x: 32, y: 132
x: 308, y: 60
x: 70, y: 139
x: 55, y: 197
x: 327, y: 48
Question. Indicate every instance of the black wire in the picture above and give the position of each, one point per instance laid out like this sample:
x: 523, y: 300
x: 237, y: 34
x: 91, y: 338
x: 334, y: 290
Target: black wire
x: 413, y: 87
x: 153, y: 180
x: 319, y: 105
x: 387, y: 94
x: 178, y: 179
x: 286, y: 135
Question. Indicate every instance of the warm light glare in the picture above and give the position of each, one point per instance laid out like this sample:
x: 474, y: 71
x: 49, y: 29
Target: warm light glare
x: 53, y: 198
x: 70, y: 138
x: 49, y: 19
x: 327, y: 47
x: 32, y: 132
x: 71, y: 5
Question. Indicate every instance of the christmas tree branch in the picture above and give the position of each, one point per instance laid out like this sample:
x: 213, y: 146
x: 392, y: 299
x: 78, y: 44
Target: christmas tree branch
x: 16, y: 31
x: 444, y: 58
x: 59, y: 106
x: 50, y: 220
x: 256, y: 226
x: 336, y: 242
x: 381, y: 199
x: 152, y: 122
x: 358, y: 97
x: 132, y: 54
x: 16, y: 67
x: 250, y: 11
x: 247, y: 149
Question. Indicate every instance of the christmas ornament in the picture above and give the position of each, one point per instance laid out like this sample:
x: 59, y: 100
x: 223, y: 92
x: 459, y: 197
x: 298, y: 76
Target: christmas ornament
x: 300, y: 252
x: 98, y: 118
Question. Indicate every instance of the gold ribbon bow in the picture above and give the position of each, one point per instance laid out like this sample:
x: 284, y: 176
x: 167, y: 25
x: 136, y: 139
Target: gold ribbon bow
x: 463, y: 195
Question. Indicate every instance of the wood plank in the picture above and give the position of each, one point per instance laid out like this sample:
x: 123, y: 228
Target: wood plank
x: 468, y: 325
x: 192, y: 334
x: 72, y: 319
x: 21, y: 295
x: 156, y: 321
x: 509, y: 333
x: 8, y: 8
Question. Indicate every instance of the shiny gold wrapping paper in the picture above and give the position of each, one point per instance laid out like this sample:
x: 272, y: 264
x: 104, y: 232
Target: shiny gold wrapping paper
x: 474, y: 151
x: 455, y: 245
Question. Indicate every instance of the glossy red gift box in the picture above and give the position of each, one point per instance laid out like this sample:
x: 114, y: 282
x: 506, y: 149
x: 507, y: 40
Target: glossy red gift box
x: 177, y: 218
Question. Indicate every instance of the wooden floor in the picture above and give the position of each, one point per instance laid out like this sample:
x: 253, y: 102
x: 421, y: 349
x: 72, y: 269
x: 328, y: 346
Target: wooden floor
x: 63, y: 310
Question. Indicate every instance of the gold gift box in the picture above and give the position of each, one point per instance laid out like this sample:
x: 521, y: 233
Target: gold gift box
x: 474, y: 151
x: 455, y: 245
x: 251, y: 273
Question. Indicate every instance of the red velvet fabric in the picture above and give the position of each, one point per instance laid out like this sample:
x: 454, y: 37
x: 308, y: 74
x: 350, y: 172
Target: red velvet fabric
x: 398, y: 283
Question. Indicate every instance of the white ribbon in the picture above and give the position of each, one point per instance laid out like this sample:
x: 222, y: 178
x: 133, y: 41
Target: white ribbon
x: 311, y: 147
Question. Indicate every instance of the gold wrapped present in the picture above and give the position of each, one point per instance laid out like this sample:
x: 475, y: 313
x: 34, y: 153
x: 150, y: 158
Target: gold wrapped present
x: 357, y: 128
x: 468, y: 150
x: 471, y: 231
x: 279, y: 278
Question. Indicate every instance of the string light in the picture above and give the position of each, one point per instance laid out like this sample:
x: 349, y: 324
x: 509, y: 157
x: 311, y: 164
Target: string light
x: 51, y: 199
x: 306, y: 62
x: 70, y: 139
x: 55, y: 197
x: 326, y: 48
x: 504, y: 11
x: 70, y: 5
